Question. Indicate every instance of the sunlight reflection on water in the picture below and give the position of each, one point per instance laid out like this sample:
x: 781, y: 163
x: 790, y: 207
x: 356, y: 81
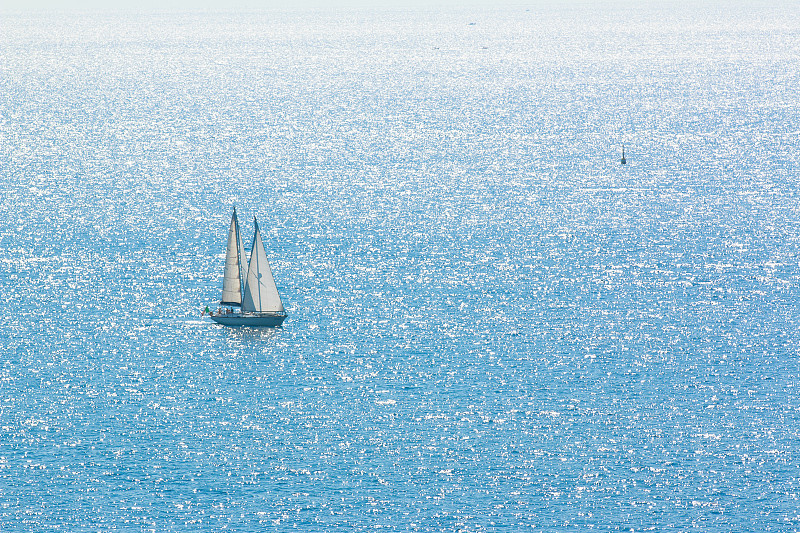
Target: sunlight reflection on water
x: 492, y: 324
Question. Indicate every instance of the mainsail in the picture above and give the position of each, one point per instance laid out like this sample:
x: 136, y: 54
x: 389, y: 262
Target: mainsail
x: 235, y: 260
x: 260, y: 292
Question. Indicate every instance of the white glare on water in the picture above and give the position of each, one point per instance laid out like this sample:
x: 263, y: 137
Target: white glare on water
x: 493, y: 325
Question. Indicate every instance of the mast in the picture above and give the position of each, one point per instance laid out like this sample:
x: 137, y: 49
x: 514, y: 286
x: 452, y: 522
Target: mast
x: 241, y: 256
x: 260, y: 292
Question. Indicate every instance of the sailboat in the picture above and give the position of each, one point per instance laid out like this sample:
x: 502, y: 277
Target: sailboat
x: 622, y: 161
x: 251, y: 289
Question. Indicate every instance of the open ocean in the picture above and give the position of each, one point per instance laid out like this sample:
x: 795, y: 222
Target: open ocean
x: 493, y: 324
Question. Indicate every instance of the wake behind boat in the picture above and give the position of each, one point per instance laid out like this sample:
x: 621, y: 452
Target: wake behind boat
x: 252, y: 289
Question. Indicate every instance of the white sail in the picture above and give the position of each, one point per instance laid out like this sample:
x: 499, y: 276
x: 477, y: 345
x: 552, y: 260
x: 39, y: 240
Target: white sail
x: 233, y: 278
x: 260, y: 292
x: 242, y: 260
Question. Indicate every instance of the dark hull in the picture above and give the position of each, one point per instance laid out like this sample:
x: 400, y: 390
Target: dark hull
x: 249, y: 320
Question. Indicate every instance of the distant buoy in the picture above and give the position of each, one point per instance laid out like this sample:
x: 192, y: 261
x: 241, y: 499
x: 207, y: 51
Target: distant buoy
x: 623, y: 155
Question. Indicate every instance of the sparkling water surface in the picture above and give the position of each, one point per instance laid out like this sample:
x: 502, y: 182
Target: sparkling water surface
x: 493, y: 325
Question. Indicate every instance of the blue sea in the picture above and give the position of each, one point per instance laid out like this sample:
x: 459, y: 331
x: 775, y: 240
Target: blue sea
x: 493, y: 324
